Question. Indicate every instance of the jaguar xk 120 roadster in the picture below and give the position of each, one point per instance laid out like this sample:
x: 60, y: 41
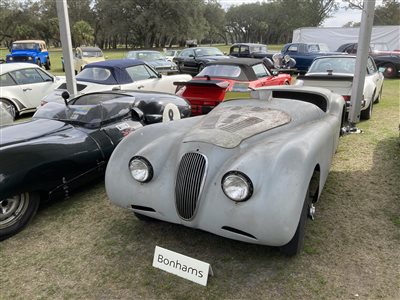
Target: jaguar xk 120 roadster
x: 250, y: 170
x: 66, y: 146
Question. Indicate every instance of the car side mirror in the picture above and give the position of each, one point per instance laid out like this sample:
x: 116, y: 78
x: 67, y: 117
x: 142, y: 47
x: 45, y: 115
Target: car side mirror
x: 191, y: 55
x: 275, y: 73
x: 137, y: 114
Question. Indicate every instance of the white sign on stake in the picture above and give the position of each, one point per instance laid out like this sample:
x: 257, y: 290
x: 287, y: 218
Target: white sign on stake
x: 182, y: 265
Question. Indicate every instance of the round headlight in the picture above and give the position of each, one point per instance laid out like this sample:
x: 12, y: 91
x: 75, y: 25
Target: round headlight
x: 11, y: 59
x: 141, y: 169
x: 29, y: 58
x: 237, y: 186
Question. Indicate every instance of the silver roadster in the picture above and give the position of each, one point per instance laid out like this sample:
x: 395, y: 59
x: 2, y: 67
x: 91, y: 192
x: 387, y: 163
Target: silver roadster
x: 250, y: 170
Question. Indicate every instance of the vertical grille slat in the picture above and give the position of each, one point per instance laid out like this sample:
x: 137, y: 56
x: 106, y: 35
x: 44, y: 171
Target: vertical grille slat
x: 189, y: 180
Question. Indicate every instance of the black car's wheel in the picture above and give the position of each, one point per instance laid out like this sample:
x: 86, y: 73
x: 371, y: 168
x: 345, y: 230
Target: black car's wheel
x: 295, y: 245
x: 10, y: 107
x: 47, y: 64
x: 16, y: 212
x: 390, y: 70
x: 179, y: 66
x: 367, y: 113
x: 201, y: 67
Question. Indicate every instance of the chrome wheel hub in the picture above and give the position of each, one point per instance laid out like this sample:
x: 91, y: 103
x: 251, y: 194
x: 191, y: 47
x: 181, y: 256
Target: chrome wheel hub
x: 12, y: 208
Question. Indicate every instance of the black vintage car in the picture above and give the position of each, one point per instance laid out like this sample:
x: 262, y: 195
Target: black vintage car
x: 193, y: 60
x: 65, y: 147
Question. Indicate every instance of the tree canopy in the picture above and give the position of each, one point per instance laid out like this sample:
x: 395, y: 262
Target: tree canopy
x: 160, y: 23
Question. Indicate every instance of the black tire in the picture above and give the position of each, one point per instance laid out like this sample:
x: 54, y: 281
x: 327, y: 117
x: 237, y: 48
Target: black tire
x: 38, y: 63
x: 390, y: 71
x: 143, y: 217
x: 295, y: 245
x: 367, y: 113
x: 16, y: 212
x: 11, y: 108
x: 201, y: 67
x: 47, y: 65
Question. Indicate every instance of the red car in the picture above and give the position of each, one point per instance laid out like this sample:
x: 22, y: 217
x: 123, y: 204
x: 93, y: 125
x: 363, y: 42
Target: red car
x: 227, y: 79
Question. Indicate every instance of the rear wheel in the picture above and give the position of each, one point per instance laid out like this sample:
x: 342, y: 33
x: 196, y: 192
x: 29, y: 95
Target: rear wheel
x: 390, y: 70
x: 16, y: 212
x: 10, y: 107
x: 367, y: 113
x: 295, y: 245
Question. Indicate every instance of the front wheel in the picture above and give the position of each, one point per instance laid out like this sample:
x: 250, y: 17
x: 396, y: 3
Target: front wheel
x: 295, y: 245
x: 367, y: 113
x: 201, y: 67
x: 10, y: 107
x: 16, y: 212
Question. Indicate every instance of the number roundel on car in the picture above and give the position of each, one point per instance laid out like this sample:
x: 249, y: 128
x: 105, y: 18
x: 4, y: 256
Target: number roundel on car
x: 171, y: 113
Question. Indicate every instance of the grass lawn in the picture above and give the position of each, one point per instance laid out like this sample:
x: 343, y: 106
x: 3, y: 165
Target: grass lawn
x: 86, y: 248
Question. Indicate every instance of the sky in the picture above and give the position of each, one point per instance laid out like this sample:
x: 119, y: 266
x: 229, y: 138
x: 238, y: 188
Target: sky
x: 339, y: 18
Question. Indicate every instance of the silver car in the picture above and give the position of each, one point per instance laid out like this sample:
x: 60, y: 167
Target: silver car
x: 250, y: 170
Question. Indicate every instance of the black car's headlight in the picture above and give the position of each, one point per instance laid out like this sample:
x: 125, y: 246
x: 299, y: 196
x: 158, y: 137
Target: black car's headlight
x: 237, y: 186
x: 141, y: 169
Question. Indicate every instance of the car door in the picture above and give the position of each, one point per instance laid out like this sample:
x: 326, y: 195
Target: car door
x: 182, y: 60
x: 146, y: 79
x: 33, y: 85
x: 244, y: 51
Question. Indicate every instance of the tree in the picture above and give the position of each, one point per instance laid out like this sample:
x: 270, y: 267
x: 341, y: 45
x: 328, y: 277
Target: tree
x: 82, y: 33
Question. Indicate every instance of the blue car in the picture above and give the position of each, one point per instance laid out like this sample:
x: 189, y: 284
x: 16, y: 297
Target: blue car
x: 30, y: 51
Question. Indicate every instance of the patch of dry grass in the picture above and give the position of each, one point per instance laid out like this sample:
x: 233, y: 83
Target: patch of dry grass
x: 88, y: 249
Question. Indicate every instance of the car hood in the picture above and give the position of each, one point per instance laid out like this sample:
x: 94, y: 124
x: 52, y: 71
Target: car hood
x: 27, y: 131
x: 23, y: 53
x: 225, y: 127
x: 160, y: 63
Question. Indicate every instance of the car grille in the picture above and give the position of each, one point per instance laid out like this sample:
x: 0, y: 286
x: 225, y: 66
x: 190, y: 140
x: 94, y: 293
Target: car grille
x: 189, y: 181
x: 21, y: 59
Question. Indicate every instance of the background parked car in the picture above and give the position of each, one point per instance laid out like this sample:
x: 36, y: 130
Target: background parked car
x: 227, y: 79
x: 62, y: 149
x: 30, y: 51
x: 336, y: 74
x: 248, y: 50
x: 305, y: 53
x: 390, y: 60
x: 131, y: 74
x: 171, y: 53
x: 193, y: 60
x: 23, y: 86
x: 154, y: 59
x: 84, y: 56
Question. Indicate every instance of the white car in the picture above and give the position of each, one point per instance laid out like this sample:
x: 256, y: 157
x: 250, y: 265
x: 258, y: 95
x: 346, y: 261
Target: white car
x: 23, y: 86
x: 336, y: 74
x: 118, y: 74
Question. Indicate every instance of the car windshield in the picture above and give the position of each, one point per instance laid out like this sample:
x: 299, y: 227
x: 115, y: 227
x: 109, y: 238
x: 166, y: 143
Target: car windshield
x: 208, y: 52
x: 92, y: 54
x: 220, y: 71
x: 25, y: 46
x: 96, y: 74
x: 146, y: 56
x: 90, y: 116
x: 344, y: 65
